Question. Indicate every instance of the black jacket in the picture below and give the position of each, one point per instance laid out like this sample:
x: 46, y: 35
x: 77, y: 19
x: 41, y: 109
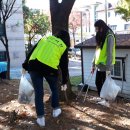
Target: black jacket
x: 35, y: 65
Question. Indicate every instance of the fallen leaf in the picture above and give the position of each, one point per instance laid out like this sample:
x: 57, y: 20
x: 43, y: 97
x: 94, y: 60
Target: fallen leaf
x: 23, y: 114
x: 58, y: 121
x: 85, y: 108
x: 77, y: 115
x: 100, y: 124
x: 7, y: 108
x: 116, y: 115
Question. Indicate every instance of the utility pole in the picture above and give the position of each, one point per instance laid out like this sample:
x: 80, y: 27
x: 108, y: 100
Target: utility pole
x: 81, y: 22
x: 106, y: 8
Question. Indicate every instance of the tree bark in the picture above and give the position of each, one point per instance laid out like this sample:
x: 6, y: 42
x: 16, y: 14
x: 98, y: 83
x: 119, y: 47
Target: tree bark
x: 74, y: 36
x: 59, y: 18
x: 7, y: 52
x: 8, y: 63
x: 60, y: 14
x: 29, y: 43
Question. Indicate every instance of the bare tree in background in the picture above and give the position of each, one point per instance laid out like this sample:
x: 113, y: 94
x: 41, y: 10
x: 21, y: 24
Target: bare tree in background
x: 7, y: 10
x: 74, y: 23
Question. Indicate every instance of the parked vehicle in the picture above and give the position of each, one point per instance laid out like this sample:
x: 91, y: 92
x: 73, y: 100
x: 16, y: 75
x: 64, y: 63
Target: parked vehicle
x: 74, y: 52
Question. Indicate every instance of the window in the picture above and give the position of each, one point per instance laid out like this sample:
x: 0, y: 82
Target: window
x: 2, y: 55
x: 113, y: 27
x: 95, y: 13
x: 127, y: 26
x: 109, y: 14
x: 116, y: 14
x: 15, y: 54
x: 96, y: 16
x: 109, y: 5
x: 118, y: 71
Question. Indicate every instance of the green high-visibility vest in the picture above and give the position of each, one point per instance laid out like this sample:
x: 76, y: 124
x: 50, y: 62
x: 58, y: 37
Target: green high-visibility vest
x: 101, y: 54
x: 49, y: 51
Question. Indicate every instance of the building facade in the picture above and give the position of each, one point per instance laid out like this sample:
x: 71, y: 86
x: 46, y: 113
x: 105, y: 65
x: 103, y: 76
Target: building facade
x: 114, y: 20
x: 15, y: 34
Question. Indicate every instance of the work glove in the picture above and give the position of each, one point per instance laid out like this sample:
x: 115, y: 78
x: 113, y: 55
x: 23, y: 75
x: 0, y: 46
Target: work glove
x: 108, y: 73
x: 64, y: 87
x: 23, y: 71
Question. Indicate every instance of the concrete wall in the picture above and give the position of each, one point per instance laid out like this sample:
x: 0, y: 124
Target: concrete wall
x: 15, y: 33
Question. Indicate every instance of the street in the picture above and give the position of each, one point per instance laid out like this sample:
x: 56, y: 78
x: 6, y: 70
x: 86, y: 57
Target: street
x: 74, y: 69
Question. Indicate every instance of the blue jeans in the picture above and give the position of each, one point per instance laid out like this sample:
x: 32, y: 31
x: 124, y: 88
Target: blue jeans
x: 37, y: 80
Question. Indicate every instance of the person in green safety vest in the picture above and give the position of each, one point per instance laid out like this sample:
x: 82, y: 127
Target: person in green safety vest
x: 104, y: 58
x: 44, y: 60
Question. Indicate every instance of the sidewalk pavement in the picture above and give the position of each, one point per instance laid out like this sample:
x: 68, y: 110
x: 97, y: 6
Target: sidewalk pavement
x: 15, y: 73
x: 74, y: 69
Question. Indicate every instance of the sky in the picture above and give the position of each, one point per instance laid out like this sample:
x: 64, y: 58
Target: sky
x: 44, y: 4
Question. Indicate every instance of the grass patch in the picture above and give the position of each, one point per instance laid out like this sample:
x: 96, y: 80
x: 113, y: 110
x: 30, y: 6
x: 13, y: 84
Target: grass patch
x: 75, y: 80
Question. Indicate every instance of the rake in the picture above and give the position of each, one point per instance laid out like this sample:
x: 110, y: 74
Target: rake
x: 83, y: 85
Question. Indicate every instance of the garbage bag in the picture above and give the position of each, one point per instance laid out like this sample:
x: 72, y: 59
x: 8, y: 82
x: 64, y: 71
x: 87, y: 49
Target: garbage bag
x: 110, y: 89
x: 26, y: 91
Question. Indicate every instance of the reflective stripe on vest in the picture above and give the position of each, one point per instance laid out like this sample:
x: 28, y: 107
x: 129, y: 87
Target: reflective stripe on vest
x: 101, y: 54
x: 49, y: 51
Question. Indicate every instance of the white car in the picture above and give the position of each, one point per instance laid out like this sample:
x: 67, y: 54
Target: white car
x: 74, y: 52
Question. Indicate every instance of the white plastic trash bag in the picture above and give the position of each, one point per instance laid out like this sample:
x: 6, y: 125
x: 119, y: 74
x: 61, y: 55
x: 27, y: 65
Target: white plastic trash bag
x: 110, y: 89
x: 26, y: 91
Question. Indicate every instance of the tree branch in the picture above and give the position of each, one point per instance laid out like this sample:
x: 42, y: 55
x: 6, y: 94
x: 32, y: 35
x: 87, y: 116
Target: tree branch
x: 6, y: 5
x: 32, y: 36
x: 3, y: 11
x: 3, y: 15
x: 2, y: 40
x: 29, y: 32
x: 9, y: 9
x: 14, y: 11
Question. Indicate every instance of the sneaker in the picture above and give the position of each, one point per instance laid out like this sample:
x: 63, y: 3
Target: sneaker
x: 41, y: 121
x: 97, y: 99
x: 56, y: 112
x: 104, y: 103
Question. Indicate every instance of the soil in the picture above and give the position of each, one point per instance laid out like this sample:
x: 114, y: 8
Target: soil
x: 78, y: 115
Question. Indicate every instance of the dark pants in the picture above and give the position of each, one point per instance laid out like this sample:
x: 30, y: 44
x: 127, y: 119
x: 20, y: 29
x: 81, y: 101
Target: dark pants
x: 37, y: 80
x: 100, y: 79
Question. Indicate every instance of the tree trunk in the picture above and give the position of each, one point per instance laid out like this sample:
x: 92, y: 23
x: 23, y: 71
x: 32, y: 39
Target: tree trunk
x: 74, y: 36
x: 59, y: 18
x: 7, y: 52
x: 60, y: 14
x: 8, y: 63
x: 29, y: 43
